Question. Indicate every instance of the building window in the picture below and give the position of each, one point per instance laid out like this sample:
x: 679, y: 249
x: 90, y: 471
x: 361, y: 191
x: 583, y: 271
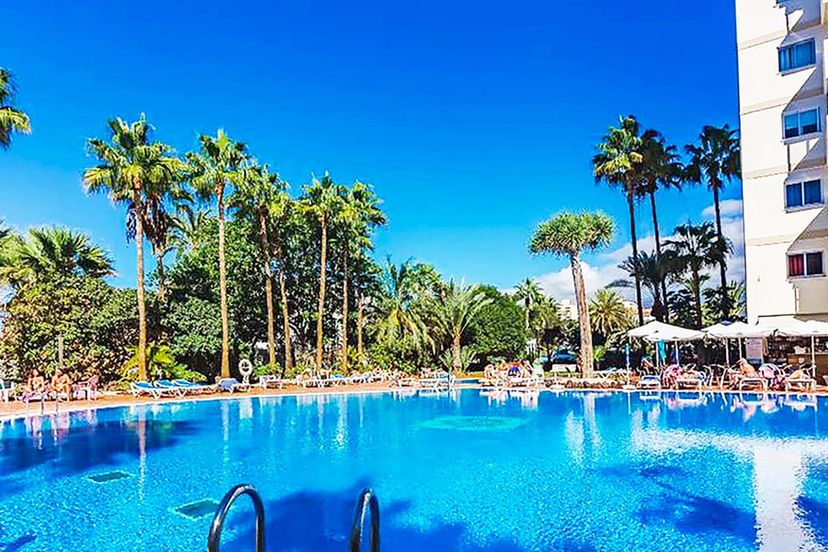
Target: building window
x: 796, y: 56
x: 801, y: 123
x: 805, y: 264
x: 803, y: 194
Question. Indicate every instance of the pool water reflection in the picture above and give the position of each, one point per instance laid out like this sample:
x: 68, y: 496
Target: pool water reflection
x: 513, y: 471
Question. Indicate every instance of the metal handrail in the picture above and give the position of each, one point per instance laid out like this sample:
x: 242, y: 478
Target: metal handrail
x: 369, y: 499
x: 214, y: 539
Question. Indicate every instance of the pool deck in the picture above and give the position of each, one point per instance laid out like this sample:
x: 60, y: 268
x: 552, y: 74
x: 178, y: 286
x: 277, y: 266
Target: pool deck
x: 18, y: 409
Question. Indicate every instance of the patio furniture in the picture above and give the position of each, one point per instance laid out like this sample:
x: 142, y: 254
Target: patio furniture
x: 86, y: 390
x: 649, y: 381
x: 145, y: 388
x: 6, y: 390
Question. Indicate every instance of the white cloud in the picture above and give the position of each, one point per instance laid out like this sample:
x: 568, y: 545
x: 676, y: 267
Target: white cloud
x: 559, y: 284
x: 728, y: 208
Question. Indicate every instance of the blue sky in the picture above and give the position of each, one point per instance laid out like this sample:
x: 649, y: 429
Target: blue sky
x: 473, y: 121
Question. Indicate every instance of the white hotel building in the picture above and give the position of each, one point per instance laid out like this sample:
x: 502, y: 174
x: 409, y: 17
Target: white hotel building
x: 783, y: 86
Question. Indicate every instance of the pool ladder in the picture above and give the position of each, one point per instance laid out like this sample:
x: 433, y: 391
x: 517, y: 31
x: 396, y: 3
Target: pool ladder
x: 366, y: 504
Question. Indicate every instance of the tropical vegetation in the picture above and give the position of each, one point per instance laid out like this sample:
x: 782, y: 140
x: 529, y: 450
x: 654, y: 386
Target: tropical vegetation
x: 247, y: 267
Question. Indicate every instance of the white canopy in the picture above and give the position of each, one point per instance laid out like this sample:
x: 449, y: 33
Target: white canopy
x: 659, y: 331
x: 811, y: 328
x: 737, y: 330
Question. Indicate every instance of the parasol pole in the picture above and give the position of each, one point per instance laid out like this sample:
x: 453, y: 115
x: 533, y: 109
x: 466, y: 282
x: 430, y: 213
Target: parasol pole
x: 727, y: 352
x: 813, y: 355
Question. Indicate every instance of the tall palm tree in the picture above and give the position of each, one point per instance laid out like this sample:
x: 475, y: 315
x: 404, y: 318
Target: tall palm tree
x: 212, y: 171
x: 48, y: 252
x: 130, y: 168
x: 456, y: 307
x: 696, y: 248
x: 661, y: 170
x: 608, y: 313
x: 530, y: 294
x: 716, y: 159
x: 257, y: 192
x: 322, y: 200
x: 160, y: 223
x: 569, y: 234
x: 359, y: 214
x: 11, y: 119
x: 619, y: 163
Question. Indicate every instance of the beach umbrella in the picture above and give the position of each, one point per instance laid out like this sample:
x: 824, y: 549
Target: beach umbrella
x: 659, y: 331
x: 810, y: 328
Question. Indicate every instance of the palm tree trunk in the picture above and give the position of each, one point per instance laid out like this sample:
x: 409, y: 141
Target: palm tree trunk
x: 225, y: 316
x: 697, y: 297
x: 456, y: 361
x: 285, y: 309
x: 634, y: 238
x: 344, y: 351
x: 360, y: 308
x: 271, y: 339
x: 723, y: 261
x: 657, y: 233
x: 321, y: 309
x: 139, y: 277
x: 161, y: 290
x: 583, y: 315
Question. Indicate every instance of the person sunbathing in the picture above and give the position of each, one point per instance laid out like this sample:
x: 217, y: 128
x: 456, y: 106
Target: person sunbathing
x: 61, y: 384
x: 35, y: 385
x: 746, y: 370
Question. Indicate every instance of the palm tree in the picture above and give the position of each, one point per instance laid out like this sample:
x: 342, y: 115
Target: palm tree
x: 697, y: 248
x: 403, y: 288
x: 11, y: 119
x: 654, y: 271
x: 132, y: 168
x: 716, y: 158
x: 187, y: 225
x: 608, y: 313
x: 456, y: 307
x: 569, y: 234
x: 160, y: 224
x: 212, y: 171
x: 48, y: 252
x: 661, y: 170
x: 619, y: 163
x: 358, y: 216
x: 323, y: 201
x: 258, y: 192
x: 530, y: 293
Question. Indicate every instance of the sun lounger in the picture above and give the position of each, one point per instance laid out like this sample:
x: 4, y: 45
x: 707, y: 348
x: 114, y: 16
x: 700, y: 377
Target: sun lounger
x: 800, y: 384
x: 176, y: 390
x: 232, y: 385
x: 156, y: 392
x: 753, y: 383
x: 191, y: 387
x: 689, y: 381
x: 434, y: 383
x: 268, y: 380
x: 649, y: 381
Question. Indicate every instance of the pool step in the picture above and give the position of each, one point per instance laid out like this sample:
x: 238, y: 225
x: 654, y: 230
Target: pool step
x: 367, y: 503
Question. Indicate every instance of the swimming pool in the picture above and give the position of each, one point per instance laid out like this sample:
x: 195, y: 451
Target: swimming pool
x: 465, y: 471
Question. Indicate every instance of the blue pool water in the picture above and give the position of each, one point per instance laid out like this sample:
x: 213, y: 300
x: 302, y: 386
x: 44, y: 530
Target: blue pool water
x: 458, y: 471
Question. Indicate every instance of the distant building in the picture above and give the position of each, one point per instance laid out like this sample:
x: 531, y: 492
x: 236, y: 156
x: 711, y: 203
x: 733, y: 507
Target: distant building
x: 782, y: 107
